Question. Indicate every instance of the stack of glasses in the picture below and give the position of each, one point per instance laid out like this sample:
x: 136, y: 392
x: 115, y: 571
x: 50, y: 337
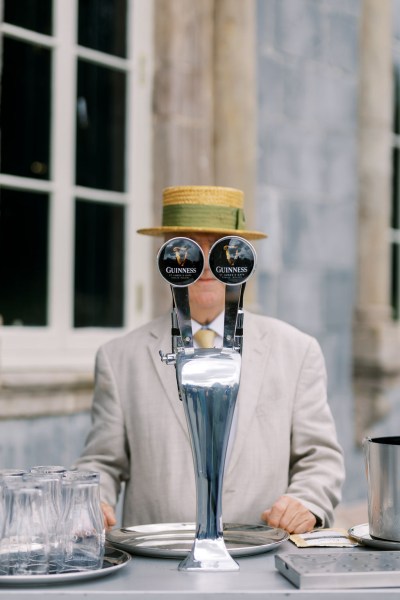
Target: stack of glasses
x: 50, y: 521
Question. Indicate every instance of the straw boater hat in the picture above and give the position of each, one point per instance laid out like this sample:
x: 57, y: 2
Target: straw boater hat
x: 203, y: 209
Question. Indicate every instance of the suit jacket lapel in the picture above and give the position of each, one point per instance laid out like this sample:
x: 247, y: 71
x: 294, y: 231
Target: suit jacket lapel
x: 160, y: 339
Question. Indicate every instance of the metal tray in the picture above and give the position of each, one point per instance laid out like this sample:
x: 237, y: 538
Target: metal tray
x: 340, y: 570
x: 174, y: 540
x: 362, y: 535
x: 114, y: 559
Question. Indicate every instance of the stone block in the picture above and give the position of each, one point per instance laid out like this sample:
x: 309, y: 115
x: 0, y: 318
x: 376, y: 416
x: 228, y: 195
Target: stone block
x: 396, y: 18
x: 271, y: 84
x: 25, y: 443
x: 336, y: 347
x: 269, y: 251
x: 183, y: 32
x: 268, y: 294
x: 177, y: 93
x: 350, y: 7
x: 266, y: 23
x: 337, y: 351
x: 318, y: 236
x: 183, y: 153
x: 293, y: 158
x: 338, y: 298
x: 320, y: 97
x: 336, y: 229
x: 299, y: 28
x: 340, y: 166
x: 299, y: 301
x: 342, y: 42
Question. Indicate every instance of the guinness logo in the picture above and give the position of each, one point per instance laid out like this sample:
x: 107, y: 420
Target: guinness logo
x: 232, y: 260
x: 180, y: 261
x: 181, y: 254
x: 232, y: 253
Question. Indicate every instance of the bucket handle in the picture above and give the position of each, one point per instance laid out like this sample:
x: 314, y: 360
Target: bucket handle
x: 366, y: 447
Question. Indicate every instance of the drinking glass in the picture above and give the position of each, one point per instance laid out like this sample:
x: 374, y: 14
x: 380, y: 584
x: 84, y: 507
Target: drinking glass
x: 3, y: 512
x: 12, y: 473
x: 50, y: 484
x: 82, y: 524
x: 48, y: 469
x: 5, y: 474
x: 24, y: 546
x: 57, y: 471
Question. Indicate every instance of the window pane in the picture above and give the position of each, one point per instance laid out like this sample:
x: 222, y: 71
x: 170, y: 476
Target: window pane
x: 100, y: 139
x: 395, y: 189
x: 395, y: 282
x: 30, y: 14
x: 395, y: 212
x: 102, y: 26
x: 25, y: 109
x: 24, y: 219
x: 396, y: 99
x: 99, y: 264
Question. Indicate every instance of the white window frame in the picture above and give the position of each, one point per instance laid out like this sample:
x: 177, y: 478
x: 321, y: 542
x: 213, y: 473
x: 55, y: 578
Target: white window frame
x: 58, y: 346
x: 394, y: 233
x: 394, y: 239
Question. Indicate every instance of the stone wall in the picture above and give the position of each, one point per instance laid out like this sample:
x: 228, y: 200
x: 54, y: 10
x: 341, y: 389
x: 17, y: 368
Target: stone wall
x: 44, y: 418
x: 42, y: 440
x: 308, y: 63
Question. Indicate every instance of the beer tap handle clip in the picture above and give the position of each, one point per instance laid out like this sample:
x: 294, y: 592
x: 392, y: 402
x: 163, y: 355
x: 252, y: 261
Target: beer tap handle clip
x: 232, y: 260
x: 181, y: 263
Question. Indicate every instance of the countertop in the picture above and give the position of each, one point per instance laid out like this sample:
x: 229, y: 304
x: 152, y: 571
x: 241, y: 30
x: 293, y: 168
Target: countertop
x: 157, y: 579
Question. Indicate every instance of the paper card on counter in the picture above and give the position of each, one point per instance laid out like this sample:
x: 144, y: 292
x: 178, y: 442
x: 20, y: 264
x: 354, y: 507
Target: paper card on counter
x: 323, y: 538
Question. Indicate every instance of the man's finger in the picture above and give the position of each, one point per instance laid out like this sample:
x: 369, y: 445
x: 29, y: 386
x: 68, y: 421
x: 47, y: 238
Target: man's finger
x: 289, y: 514
x: 301, y: 522
x: 275, y: 513
x: 108, y: 515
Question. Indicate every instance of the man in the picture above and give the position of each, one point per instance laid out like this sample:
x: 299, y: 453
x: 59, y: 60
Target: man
x: 284, y: 464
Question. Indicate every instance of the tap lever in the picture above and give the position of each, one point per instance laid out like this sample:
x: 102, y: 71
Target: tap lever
x: 232, y: 261
x: 180, y: 262
x: 184, y: 322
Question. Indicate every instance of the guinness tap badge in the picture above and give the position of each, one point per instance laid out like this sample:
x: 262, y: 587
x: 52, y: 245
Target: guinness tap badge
x: 180, y: 261
x: 232, y: 260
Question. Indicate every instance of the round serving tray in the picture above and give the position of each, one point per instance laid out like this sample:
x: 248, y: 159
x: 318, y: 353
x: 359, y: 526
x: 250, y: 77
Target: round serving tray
x: 114, y: 559
x: 361, y: 534
x: 175, y: 540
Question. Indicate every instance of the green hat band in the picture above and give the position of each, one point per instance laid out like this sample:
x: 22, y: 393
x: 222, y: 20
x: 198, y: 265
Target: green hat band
x: 205, y: 216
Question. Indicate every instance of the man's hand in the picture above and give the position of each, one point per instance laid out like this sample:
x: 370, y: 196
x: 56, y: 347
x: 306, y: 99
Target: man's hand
x: 289, y: 514
x: 109, y: 516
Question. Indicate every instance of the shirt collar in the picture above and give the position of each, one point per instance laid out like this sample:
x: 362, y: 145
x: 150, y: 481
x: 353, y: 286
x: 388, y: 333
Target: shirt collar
x: 217, y: 325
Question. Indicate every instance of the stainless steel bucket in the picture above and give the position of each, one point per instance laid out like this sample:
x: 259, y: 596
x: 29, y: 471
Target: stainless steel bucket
x: 382, y: 461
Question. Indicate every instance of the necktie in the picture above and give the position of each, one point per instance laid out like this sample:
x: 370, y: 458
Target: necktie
x: 205, y: 338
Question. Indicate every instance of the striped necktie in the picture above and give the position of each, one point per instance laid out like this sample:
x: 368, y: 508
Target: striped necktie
x: 205, y: 338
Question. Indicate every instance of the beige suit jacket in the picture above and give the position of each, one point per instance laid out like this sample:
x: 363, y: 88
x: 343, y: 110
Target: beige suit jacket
x: 285, y: 440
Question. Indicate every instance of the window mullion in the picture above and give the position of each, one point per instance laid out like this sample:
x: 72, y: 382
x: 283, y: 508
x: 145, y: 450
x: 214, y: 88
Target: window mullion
x: 139, y: 166
x: 63, y: 144
x: 26, y: 35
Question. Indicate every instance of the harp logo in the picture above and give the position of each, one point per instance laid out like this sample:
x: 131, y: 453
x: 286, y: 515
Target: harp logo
x: 181, y: 253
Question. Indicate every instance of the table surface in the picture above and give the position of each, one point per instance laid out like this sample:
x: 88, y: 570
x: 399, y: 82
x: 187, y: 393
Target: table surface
x: 152, y: 579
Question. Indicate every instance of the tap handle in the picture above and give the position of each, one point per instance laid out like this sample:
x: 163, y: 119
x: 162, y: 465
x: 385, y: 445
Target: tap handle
x: 232, y: 261
x: 181, y: 263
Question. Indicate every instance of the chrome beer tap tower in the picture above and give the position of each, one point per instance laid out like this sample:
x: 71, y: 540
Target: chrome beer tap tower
x: 208, y: 380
